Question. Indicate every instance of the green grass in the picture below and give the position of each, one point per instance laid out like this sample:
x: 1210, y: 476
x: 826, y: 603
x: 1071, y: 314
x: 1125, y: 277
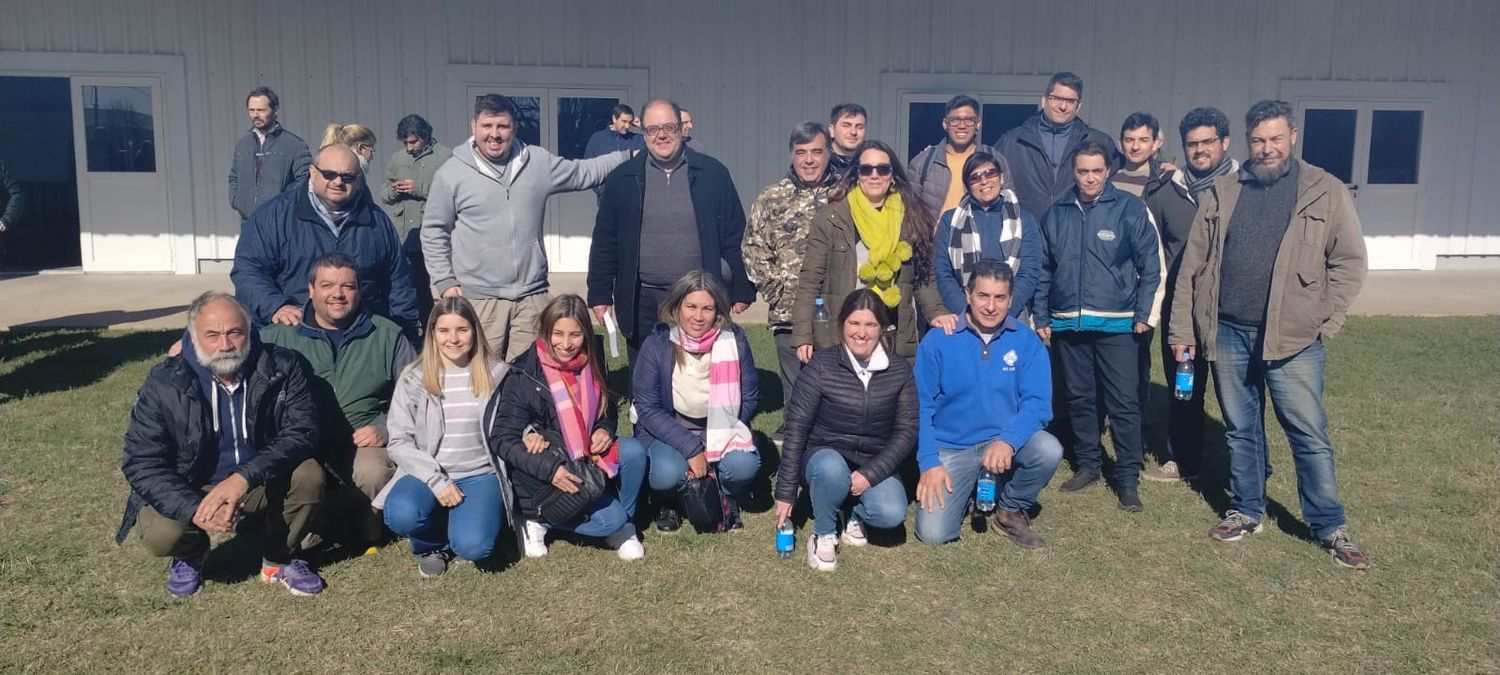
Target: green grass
x: 1412, y: 418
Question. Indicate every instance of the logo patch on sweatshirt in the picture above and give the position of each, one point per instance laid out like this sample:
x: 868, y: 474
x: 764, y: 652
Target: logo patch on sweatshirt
x: 1106, y: 235
x: 1010, y: 358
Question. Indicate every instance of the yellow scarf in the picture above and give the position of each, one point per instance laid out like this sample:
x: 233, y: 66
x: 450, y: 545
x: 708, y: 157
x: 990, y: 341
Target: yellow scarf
x: 880, y: 230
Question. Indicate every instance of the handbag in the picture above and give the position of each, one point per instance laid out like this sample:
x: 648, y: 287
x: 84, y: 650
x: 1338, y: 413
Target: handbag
x: 704, y: 503
x: 557, y: 507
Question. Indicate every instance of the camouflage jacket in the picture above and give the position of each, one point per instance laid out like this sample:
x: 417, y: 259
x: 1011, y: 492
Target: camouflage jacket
x: 776, y: 239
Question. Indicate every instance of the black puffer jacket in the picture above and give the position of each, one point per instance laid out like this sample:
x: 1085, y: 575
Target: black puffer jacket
x: 873, y: 428
x: 524, y: 400
x: 170, y: 447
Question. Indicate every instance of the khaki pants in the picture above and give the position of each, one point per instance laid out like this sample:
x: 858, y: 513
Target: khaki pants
x: 287, y: 502
x: 510, y: 325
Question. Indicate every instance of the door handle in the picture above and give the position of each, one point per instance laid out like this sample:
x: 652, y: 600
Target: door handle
x: 1353, y: 190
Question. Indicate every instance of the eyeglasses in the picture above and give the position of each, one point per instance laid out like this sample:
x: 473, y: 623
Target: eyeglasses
x: 330, y: 175
x: 1063, y: 100
x: 962, y: 121
x: 881, y: 170
x: 983, y: 175
x: 670, y: 129
x: 1205, y: 143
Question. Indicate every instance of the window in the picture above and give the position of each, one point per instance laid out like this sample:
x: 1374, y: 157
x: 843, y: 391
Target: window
x: 925, y: 120
x: 1395, y: 147
x: 578, y: 117
x: 119, y: 129
x: 1328, y: 141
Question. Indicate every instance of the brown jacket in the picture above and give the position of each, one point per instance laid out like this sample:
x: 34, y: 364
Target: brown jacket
x: 830, y: 269
x: 1319, y: 268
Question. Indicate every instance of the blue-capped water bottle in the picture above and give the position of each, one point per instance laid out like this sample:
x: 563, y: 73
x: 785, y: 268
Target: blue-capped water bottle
x: 1182, y: 384
x: 984, y: 492
x: 820, y: 311
x: 786, y: 539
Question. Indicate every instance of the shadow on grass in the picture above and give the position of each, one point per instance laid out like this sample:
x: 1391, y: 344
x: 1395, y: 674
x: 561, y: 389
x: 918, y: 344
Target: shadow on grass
x: 71, y: 359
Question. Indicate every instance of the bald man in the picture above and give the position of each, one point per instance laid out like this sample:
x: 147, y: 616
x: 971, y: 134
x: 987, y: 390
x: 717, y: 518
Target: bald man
x: 331, y: 212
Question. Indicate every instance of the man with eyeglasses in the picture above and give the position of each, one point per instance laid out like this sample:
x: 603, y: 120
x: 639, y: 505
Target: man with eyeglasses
x: 1040, y: 150
x: 332, y: 213
x: 664, y: 213
x: 268, y: 159
x: 935, y: 166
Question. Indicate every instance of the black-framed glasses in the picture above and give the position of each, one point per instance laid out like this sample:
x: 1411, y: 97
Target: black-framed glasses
x: 983, y: 175
x: 330, y: 175
x: 670, y: 128
x: 1064, y: 100
x: 962, y: 121
x: 1205, y: 143
x: 881, y: 170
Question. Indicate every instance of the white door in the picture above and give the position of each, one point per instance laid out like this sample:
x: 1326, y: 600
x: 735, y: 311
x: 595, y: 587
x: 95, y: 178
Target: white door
x: 1375, y: 147
x: 123, y: 209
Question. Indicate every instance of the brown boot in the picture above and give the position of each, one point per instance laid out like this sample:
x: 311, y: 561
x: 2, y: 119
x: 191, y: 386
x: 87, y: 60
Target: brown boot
x: 1017, y: 526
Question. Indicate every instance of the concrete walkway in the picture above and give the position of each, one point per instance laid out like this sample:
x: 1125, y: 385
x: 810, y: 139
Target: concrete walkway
x: 141, y: 301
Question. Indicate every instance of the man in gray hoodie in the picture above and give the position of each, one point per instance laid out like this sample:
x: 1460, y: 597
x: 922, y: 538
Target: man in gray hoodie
x: 482, y: 230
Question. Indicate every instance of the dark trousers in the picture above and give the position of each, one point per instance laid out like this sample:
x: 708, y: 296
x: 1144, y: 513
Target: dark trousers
x: 1107, y: 363
x: 1184, y: 418
x: 417, y: 268
x: 647, y: 301
x: 1143, y: 369
x: 790, y: 365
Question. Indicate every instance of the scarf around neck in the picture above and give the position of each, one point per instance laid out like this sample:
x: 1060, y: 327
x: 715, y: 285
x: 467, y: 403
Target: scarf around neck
x: 1196, y: 185
x: 577, y: 398
x: 964, y: 247
x: 724, y: 432
x: 880, y: 231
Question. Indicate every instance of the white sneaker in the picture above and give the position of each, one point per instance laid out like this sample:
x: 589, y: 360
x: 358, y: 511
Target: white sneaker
x: 854, y: 533
x: 536, y: 539
x: 631, y: 549
x: 822, y: 552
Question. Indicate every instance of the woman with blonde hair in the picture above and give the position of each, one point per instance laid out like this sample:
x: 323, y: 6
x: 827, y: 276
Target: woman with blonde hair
x: 357, y: 136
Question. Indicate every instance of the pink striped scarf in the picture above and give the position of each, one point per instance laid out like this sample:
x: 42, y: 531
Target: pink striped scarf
x: 725, y: 432
x: 577, y: 398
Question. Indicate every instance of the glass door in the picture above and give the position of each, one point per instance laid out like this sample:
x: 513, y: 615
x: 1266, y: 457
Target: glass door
x: 124, y: 218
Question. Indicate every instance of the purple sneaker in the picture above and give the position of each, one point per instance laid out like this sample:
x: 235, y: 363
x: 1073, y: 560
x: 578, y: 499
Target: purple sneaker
x: 296, y: 576
x: 184, y: 577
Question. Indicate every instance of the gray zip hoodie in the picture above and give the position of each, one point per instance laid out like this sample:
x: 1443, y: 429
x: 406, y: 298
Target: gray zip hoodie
x: 482, y: 229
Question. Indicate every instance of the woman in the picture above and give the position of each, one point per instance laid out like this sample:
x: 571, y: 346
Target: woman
x: 877, y: 235
x: 695, y: 389
x: 448, y: 492
x: 988, y: 224
x: 560, y: 388
x: 358, y: 137
x: 851, y: 421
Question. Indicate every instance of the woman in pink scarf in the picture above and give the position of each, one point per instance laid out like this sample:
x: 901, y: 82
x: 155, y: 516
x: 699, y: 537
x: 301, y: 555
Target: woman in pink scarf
x: 695, y: 390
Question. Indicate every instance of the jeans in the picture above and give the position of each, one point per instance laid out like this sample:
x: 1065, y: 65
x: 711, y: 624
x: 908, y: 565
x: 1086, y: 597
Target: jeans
x: 1241, y: 379
x: 1095, y: 362
x: 882, y: 505
x: 1030, y: 470
x: 606, y: 519
x: 468, y: 529
x: 669, y: 469
x: 632, y: 473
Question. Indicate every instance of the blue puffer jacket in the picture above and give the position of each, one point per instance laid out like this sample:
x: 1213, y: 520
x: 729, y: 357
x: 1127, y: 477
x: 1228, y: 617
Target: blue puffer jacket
x: 1101, y: 269
x: 652, y: 386
x: 282, y: 239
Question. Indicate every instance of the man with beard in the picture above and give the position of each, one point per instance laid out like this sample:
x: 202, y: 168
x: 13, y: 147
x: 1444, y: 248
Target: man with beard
x: 408, y: 179
x: 221, y: 431
x: 267, y: 159
x: 1273, y: 261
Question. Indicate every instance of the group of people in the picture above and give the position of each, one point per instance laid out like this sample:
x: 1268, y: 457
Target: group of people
x: 901, y: 300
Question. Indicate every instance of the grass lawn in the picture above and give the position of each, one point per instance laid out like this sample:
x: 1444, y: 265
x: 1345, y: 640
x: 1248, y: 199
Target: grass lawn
x: 1413, y: 422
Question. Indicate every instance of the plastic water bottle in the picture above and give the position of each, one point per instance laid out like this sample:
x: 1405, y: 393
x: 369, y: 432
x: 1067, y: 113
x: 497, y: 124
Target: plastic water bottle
x: 1182, y: 384
x: 984, y: 492
x: 820, y: 311
x: 785, y: 540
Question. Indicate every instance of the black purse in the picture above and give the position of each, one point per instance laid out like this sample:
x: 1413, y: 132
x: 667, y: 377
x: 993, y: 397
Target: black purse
x: 557, y: 507
x: 703, y: 503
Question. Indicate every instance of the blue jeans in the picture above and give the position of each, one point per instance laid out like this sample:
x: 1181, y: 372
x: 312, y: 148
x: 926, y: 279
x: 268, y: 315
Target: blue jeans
x: 632, y: 473
x: 1241, y: 379
x: 669, y: 469
x: 606, y: 519
x: 1030, y: 470
x: 469, y: 529
x: 883, y: 505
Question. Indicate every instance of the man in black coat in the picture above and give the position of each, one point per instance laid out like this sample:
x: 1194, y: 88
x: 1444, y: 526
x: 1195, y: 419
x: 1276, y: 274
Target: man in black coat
x: 1040, y: 150
x: 651, y: 222
x: 223, y: 430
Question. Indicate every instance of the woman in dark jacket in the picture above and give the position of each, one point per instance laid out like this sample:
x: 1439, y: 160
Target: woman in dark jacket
x: 560, y: 389
x: 852, y: 419
x: 695, y: 390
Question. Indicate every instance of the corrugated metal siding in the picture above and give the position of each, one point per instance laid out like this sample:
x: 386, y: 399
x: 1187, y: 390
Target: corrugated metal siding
x: 749, y: 71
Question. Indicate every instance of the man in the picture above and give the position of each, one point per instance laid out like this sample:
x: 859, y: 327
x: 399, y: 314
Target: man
x: 846, y: 124
x: 267, y: 159
x: 990, y: 362
x: 687, y: 133
x: 482, y: 233
x: 355, y: 359
x: 776, y: 238
x: 1173, y: 199
x: 652, y: 222
x: 1099, y: 290
x: 934, y: 168
x: 1140, y: 139
x: 221, y: 431
x: 1274, y: 259
x: 617, y: 136
x: 408, y: 179
x: 332, y: 212
x: 1040, y: 150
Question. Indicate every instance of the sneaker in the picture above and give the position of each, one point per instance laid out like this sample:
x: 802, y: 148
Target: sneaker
x: 1080, y: 481
x: 631, y: 549
x: 296, y: 576
x: 668, y: 521
x: 433, y: 564
x: 184, y: 577
x: 1345, y: 553
x: 536, y: 539
x: 854, y: 533
x: 1166, y: 473
x: 1130, y: 499
x: 822, y: 552
x: 1017, y: 526
x: 1234, y: 526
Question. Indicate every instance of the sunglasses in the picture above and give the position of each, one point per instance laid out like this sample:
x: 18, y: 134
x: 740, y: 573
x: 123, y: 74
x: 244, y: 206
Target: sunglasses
x: 881, y: 170
x: 330, y: 175
x: 983, y: 175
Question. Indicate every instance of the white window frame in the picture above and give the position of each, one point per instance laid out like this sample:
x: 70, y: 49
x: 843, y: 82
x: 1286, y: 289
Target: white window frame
x: 899, y: 90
